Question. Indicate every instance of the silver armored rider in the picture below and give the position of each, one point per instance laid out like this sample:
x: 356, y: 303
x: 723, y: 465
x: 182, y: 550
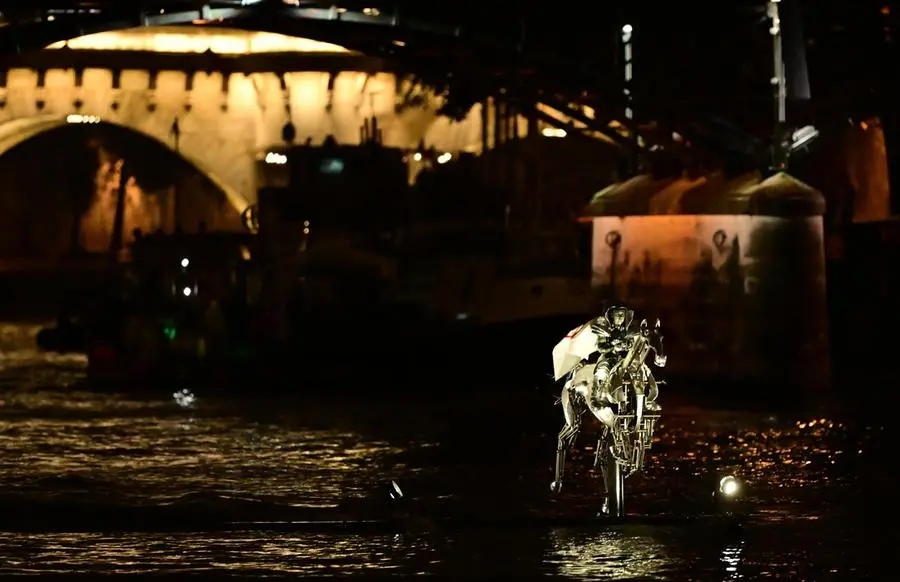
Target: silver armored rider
x: 612, y: 379
x: 615, y: 336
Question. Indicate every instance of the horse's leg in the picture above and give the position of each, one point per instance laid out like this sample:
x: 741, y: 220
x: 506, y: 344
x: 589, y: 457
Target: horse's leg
x: 652, y: 390
x: 566, y: 436
x: 597, y: 396
x: 602, y: 381
x: 602, y: 441
x: 613, y: 477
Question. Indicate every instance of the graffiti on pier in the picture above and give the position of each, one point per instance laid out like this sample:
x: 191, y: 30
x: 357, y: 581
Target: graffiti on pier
x: 142, y: 211
x: 719, y: 282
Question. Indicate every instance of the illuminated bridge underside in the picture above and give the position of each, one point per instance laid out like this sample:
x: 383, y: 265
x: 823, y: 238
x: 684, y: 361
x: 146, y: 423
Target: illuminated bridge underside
x: 219, y: 41
x: 63, y: 23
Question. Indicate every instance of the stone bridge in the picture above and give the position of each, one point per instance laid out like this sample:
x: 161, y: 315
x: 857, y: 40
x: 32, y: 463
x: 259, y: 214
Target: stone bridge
x: 221, y: 121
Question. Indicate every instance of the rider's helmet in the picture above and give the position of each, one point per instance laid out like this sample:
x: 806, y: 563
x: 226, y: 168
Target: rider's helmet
x: 617, y: 316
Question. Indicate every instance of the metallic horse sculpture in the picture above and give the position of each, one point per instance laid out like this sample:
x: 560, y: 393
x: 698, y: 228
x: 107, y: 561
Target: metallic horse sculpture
x: 605, y: 361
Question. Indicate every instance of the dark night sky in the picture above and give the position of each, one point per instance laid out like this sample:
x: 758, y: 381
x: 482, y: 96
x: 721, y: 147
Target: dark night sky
x: 693, y: 56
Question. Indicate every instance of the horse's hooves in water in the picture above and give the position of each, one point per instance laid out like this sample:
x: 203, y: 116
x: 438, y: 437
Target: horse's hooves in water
x: 555, y: 487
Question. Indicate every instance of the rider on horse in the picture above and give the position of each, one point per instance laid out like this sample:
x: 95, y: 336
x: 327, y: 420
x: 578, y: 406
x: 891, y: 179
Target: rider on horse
x: 615, y: 331
x: 602, y: 382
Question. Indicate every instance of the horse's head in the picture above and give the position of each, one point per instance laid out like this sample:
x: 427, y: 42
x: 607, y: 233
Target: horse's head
x: 654, y: 339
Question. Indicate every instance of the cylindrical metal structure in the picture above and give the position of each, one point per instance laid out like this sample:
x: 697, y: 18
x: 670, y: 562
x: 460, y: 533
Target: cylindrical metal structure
x: 779, y: 155
x: 627, y: 60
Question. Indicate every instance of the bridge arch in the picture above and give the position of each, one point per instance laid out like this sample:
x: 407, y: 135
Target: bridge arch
x: 17, y: 131
x: 229, y: 107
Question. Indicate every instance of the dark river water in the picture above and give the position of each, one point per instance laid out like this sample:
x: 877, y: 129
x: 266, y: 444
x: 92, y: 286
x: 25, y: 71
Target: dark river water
x: 115, y: 483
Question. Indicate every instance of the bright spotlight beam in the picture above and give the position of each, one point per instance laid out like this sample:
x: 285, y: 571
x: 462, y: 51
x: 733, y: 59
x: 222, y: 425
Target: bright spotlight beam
x: 729, y: 486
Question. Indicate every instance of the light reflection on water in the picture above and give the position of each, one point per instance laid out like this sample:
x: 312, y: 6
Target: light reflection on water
x: 613, y: 554
x: 162, y: 455
x: 248, y: 553
x: 637, y: 553
x: 74, y: 447
x: 731, y: 560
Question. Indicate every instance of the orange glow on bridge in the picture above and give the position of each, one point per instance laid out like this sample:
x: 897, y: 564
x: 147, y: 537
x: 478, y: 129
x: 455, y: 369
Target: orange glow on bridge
x: 198, y: 40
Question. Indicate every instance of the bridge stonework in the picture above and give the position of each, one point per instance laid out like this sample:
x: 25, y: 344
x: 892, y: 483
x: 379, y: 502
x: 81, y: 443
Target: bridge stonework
x: 225, y: 122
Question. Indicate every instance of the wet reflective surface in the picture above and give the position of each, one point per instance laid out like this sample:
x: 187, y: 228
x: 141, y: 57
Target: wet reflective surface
x: 139, y: 483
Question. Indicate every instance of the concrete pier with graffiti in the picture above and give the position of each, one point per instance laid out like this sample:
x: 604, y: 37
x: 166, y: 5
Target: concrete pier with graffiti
x: 735, y: 266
